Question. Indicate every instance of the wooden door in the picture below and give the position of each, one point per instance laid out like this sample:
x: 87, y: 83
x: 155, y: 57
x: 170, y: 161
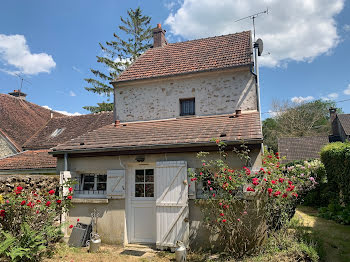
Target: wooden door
x: 172, y: 203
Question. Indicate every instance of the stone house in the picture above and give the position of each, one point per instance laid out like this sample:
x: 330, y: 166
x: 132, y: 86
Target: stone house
x: 169, y: 104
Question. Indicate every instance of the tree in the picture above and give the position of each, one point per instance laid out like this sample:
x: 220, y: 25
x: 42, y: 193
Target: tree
x: 118, y: 54
x: 297, y: 120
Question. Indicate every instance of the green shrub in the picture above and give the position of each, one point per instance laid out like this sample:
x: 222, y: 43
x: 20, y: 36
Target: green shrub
x: 336, y: 159
x: 336, y: 212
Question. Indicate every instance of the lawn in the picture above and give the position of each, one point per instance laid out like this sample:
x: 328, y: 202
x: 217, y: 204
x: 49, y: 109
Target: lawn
x: 333, y: 238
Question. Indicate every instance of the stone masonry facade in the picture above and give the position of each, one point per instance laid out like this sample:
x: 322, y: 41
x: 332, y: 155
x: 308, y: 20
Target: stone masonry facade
x: 5, y: 149
x: 215, y: 93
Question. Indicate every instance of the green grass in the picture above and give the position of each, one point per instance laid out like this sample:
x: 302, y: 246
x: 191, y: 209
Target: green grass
x: 333, y: 238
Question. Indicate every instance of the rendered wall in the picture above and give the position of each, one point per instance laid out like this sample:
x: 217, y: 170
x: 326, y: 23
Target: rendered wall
x: 5, y: 149
x: 111, y: 225
x: 215, y: 93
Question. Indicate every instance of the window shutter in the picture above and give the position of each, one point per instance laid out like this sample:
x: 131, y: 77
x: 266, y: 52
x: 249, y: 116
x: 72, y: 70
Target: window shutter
x: 191, y: 187
x: 116, y: 184
x: 64, y: 177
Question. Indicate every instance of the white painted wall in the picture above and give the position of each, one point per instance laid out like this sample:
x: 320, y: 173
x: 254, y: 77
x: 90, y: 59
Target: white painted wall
x: 218, y: 92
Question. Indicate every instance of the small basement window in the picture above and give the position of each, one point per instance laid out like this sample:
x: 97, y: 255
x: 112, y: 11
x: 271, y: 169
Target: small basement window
x: 187, y: 107
x: 57, y: 132
x: 91, y: 185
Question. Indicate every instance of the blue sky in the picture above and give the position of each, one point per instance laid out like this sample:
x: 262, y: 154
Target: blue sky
x: 54, y: 43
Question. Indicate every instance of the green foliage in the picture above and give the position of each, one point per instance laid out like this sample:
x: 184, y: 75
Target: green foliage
x: 242, y: 205
x: 132, y: 40
x: 297, y: 120
x: 336, y: 159
x: 29, y: 223
x: 336, y: 212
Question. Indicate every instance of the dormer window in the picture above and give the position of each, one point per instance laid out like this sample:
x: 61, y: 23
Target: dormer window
x: 57, y: 132
x: 187, y: 107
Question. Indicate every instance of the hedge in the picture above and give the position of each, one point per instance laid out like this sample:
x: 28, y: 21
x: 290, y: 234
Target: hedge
x: 336, y: 159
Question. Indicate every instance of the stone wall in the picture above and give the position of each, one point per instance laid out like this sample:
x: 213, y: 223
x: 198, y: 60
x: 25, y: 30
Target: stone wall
x: 219, y: 92
x: 37, y: 183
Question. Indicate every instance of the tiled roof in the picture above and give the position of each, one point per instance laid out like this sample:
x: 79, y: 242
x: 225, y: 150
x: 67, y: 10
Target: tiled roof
x: 163, y: 133
x: 205, y: 54
x: 69, y: 127
x: 20, y: 119
x: 301, y: 148
x: 31, y: 159
x: 344, y: 120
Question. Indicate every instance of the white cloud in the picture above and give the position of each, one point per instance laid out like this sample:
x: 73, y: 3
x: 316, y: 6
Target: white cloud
x: 63, y: 112
x: 346, y: 28
x: 347, y: 90
x: 293, y: 30
x: 71, y: 93
x: 300, y: 99
x: 76, y: 69
x: 14, y: 52
x: 330, y: 96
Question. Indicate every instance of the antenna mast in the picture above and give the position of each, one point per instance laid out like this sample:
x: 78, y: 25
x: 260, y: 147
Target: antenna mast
x: 22, y: 79
x: 253, y: 18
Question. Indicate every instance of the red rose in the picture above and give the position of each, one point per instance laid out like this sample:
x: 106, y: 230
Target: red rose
x: 284, y: 195
x: 30, y: 204
x: 295, y: 194
x: 78, y: 220
x: 19, y: 188
x: 281, y: 180
x: 269, y: 190
x: 273, y: 182
x: 214, y: 195
x: 277, y: 153
x: 70, y: 189
x: 255, y: 181
x: 277, y: 193
x: 222, y: 214
x: 250, y: 189
x: 38, y: 201
x: 290, y: 182
x: 265, y: 179
x: 58, y: 201
x: 48, y: 203
x: 37, y: 211
x: 23, y: 203
x: 51, y: 192
x: 69, y: 197
x: 209, y: 182
x: 217, y: 141
x: 71, y: 226
x: 269, y: 172
x: 224, y: 220
x: 2, y: 213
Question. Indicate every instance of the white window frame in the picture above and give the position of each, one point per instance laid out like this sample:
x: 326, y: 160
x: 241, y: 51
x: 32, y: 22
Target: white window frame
x: 80, y: 193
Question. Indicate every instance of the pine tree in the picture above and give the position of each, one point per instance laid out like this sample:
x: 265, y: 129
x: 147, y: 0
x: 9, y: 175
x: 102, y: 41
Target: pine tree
x: 133, y: 40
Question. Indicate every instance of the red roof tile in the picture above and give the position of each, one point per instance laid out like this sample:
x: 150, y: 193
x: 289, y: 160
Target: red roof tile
x: 178, y: 131
x: 32, y: 159
x: 20, y: 119
x: 71, y: 127
x: 205, y: 54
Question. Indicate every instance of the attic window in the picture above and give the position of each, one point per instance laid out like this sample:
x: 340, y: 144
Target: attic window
x: 57, y: 132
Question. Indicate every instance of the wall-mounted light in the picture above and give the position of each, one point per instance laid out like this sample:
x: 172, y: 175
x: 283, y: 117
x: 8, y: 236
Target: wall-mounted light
x: 140, y: 158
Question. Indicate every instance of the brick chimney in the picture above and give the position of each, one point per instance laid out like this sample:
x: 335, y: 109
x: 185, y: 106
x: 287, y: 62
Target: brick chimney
x: 334, y: 124
x: 19, y: 94
x: 159, y: 39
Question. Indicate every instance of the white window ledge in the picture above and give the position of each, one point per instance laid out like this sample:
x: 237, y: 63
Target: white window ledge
x: 90, y: 201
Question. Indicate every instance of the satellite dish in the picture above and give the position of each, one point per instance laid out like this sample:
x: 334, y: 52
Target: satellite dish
x: 259, y: 44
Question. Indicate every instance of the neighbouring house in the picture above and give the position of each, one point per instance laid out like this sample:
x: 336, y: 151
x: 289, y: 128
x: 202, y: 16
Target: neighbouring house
x: 19, y: 120
x: 169, y: 104
x: 35, y: 159
x: 301, y: 148
x: 309, y: 147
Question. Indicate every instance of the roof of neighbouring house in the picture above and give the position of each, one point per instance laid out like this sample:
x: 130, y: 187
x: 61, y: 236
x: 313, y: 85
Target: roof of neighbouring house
x: 344, y: 120
x: 185, y: 131
x: 301, y: 148
x: 199, y: 55
x: 31, y: 159
x: 20, y: 119
x: 61, y: 129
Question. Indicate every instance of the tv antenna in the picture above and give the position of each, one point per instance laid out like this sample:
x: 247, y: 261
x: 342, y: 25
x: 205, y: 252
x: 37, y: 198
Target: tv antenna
x: 253, y: 17
x: 22, y: 79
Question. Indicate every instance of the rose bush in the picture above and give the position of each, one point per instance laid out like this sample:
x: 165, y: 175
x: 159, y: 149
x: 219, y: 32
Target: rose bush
x: 25, y: 214
x: 242, y: 205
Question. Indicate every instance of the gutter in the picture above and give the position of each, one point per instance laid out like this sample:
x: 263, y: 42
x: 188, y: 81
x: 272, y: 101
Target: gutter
x: 161, y: 146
